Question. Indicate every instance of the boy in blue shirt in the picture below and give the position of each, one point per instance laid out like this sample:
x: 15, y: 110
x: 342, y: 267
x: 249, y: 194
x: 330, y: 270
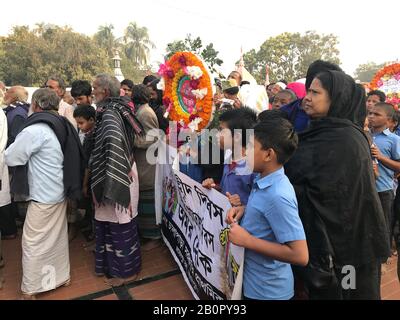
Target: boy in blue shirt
x: 386, y: 150
x: 270, y: 230
x: 237, y: 178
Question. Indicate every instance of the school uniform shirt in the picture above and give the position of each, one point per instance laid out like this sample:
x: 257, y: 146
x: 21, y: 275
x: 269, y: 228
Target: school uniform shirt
x: 389, y: 145
x: 237, y: 179
x: 272, y: 215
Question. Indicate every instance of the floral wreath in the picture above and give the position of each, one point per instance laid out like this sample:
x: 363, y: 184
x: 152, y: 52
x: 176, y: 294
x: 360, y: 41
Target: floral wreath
x: 188, y: 93
x: 384, y: 79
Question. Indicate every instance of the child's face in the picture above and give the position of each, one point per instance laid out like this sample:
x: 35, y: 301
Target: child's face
x: 84, y: 125
x: 377, y: 118
x: 224, y: 136
x: 256, y: 156
x: 83, y: 100
x: 392, y: 124
x: 372, y: 101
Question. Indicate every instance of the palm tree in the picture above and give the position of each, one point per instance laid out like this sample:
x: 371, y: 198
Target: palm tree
x: 105, y: 39
x: 137, y: 43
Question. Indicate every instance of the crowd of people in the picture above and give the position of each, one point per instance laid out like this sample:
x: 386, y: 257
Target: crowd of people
x: 312, y: 180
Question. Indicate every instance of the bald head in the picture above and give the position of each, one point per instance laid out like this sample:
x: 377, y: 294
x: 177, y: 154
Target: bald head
x: 16, y: 94
x: 237, y: 76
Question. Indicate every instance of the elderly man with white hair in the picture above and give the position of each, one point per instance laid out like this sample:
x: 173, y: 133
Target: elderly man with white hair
x: 114, y: 184
x: 48, y: 154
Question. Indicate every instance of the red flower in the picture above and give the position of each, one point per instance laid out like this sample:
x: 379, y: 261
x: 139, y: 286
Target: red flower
x: 170, y: 74
x: 182, y: 60
x: 193, y: 117
x: 166, y: 101
x: 194, y: 84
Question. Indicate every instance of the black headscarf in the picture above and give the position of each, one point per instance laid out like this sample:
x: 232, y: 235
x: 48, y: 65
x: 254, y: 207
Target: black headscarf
x: 347, y: 97
x: 319, y: 66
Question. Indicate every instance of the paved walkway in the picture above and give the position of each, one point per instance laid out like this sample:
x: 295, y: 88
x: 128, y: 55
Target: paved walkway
x: 160, y: 278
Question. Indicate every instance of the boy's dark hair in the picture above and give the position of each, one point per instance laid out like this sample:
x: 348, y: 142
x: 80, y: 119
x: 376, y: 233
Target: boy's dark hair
x: 241, y: 119
x: 279, y: 135
x: 141, y: 94
x: 153, y: 85
x: 272, y: 114
x: 128, y: 83
x: 388, y: 108
x: 283, y: 81
x: 148, y: 79
x: 81, y: 88
x: 380, y: 94
x: 85, y: 111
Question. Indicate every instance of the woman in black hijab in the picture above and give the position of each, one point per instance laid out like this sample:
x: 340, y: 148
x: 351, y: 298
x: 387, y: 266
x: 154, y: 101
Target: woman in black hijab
x: 332, y: 174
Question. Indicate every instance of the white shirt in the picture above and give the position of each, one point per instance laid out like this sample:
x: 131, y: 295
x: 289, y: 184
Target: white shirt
x: 38, y: 146
x: 67, y: 111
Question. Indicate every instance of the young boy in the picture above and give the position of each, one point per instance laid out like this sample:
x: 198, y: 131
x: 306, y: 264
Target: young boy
x: 85, y: 117
x: 81, y: 91
x: 237, y: 178
x: 386, y: 150
x: 270, y: 228
x: 374, y: 97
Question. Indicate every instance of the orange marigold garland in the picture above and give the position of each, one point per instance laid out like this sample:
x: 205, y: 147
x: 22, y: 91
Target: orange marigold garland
x: 188, y: 93
x: 388, y: 80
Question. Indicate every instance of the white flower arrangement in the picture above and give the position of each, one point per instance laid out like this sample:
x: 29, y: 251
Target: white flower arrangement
x: 194, y: 125
x: 200, y: 93
x: 161, y: 84
x: 194, y: 72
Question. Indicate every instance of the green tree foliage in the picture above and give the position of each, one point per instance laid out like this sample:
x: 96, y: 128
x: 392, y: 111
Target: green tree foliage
x: 365, y: 72
x: 207, y: 53
x: 28, y: 57
x: 105, y: 39
x: 288, y: 55
x: 137, y: 44
x: 133, y: 47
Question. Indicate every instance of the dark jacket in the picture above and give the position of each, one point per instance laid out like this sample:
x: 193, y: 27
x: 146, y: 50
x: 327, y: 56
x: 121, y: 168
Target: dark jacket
x: 73, y: 168
x: 16, y: 113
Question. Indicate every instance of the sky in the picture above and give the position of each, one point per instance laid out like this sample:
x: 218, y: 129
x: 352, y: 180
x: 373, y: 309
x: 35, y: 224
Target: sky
x: 365, y: 28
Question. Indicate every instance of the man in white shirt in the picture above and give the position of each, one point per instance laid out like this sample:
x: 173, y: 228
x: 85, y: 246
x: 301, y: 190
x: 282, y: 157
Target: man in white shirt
x: 45, y: 237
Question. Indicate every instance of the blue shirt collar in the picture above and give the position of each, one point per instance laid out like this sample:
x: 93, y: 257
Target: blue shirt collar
x: 386, y: 132
x: 269, y: 180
